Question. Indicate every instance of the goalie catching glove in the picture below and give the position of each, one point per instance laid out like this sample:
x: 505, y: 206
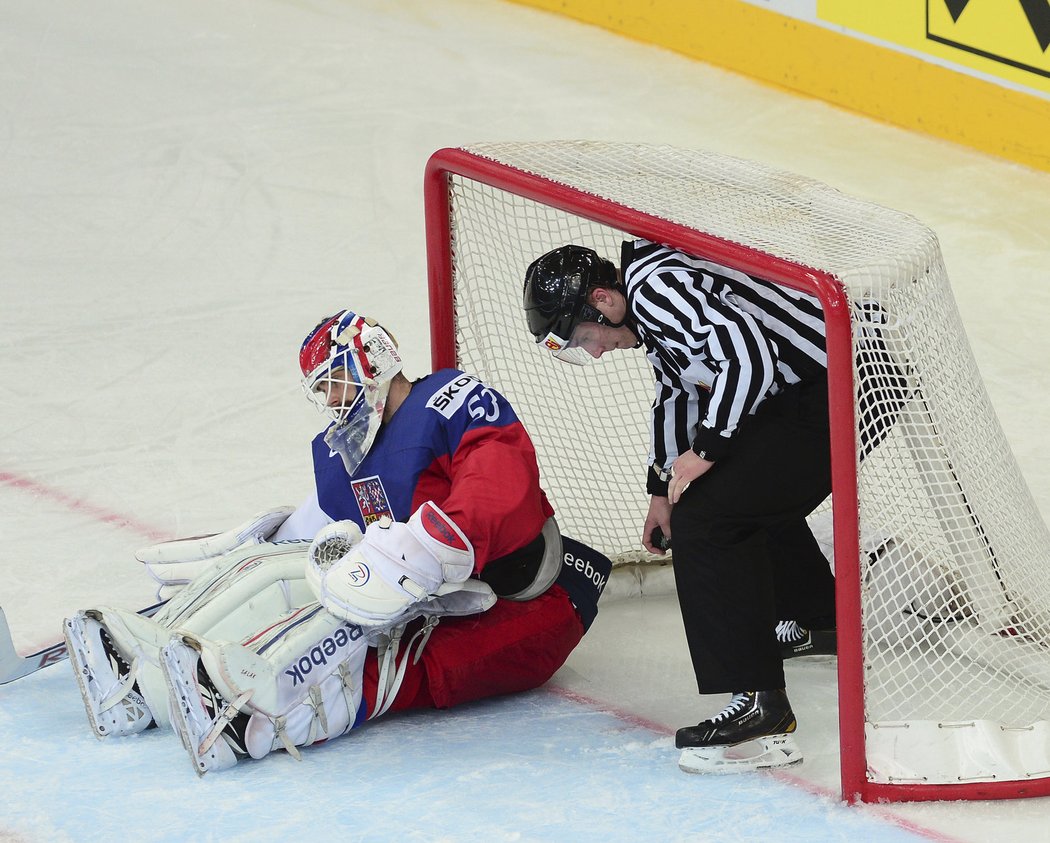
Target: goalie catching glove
x: 378, y: 577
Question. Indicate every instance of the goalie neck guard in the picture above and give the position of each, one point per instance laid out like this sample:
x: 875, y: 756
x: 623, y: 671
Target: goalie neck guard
x: 348, y: 362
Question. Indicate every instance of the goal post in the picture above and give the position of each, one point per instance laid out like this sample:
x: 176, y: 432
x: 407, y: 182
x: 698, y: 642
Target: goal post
x: 942, y: 597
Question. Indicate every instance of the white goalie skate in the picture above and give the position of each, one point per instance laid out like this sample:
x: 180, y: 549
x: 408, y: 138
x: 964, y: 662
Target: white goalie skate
x: 105, y: 678
x: 193, y: 709
x: 753, y: 732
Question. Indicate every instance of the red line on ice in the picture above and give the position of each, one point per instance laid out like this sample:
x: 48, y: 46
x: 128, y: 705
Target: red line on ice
x: 882, y: 812
x: 81, y: 506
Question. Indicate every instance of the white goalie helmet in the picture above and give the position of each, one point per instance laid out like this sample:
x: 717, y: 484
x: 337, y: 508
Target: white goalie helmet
x: 348, y: 362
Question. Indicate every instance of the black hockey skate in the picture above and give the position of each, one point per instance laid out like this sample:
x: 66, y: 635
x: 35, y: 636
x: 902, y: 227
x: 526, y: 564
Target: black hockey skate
x: 796, y: 641
x: 753, y: 731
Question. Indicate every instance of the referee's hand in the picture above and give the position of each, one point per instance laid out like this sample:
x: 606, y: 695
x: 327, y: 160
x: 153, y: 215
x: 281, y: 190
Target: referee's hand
x: 683, y: 472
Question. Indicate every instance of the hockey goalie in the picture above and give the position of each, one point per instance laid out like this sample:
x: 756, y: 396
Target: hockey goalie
x: 425, y: 570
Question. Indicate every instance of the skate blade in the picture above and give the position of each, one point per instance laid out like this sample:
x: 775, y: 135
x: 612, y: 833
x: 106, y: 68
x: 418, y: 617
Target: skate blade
x: 81, y: 672
x: 820, y: 646
x: 758, y: 754
x: 181, y: 695
x: 807, y: 659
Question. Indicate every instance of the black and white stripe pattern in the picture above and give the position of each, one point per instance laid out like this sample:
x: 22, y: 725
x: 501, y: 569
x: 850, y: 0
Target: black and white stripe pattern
x: 719, y: 341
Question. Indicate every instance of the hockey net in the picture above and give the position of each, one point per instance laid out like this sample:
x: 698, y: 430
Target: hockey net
x: 941, y: 556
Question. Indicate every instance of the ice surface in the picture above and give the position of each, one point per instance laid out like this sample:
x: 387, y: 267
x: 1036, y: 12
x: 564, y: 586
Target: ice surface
x: 536, y: 767
x: 185, y: 189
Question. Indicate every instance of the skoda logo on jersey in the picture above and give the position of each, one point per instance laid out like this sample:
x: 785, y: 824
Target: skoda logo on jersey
x: 482, y: 403
x: 450, y: 397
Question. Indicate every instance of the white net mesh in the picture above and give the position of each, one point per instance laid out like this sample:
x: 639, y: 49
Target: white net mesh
x: 955, y: 581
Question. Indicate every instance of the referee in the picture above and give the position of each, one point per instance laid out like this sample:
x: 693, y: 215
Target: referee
x: 739, y: 457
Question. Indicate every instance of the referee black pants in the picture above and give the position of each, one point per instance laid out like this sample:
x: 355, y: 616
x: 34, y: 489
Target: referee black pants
x: 744, y: 556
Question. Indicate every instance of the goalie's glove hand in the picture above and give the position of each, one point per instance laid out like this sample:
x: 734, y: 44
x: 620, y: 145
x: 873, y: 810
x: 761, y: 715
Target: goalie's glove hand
x: 375, y: 579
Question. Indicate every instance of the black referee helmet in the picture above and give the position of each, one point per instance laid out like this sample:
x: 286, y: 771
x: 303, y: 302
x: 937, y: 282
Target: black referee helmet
x: 556, y: 286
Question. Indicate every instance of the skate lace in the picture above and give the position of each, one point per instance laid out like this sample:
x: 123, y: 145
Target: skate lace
x: 223, y: 719
x: 224, y: 713
x: 740, y: 701
x: 788, y: 631
x: 120, y: 690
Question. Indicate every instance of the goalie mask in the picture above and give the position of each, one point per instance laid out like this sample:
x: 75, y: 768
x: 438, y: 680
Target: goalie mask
x: 348, y: 362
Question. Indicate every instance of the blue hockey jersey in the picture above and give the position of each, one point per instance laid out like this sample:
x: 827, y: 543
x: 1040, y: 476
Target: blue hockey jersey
x: 453, y: 441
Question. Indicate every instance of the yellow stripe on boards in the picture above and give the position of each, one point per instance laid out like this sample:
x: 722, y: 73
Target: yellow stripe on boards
x: 877, y: 81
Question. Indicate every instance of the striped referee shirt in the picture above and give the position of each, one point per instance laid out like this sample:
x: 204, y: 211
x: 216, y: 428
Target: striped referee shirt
x: 720, y: 342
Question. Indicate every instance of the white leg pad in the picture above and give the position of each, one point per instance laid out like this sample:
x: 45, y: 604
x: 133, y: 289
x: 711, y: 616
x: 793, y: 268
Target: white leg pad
x: 298, y: 681
x: 329, y: 710
x: 249, y: 588
x: 174, y: 564
x: 216, y: 603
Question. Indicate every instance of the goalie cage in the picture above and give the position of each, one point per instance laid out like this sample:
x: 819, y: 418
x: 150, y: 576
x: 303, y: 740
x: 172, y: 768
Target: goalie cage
x: 943, y: 582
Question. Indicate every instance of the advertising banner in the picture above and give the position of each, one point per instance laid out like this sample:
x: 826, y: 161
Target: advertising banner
x: 997, y: 40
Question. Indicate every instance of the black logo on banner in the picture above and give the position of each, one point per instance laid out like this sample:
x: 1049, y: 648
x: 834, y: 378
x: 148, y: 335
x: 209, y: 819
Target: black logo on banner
x: 1036, y: 13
